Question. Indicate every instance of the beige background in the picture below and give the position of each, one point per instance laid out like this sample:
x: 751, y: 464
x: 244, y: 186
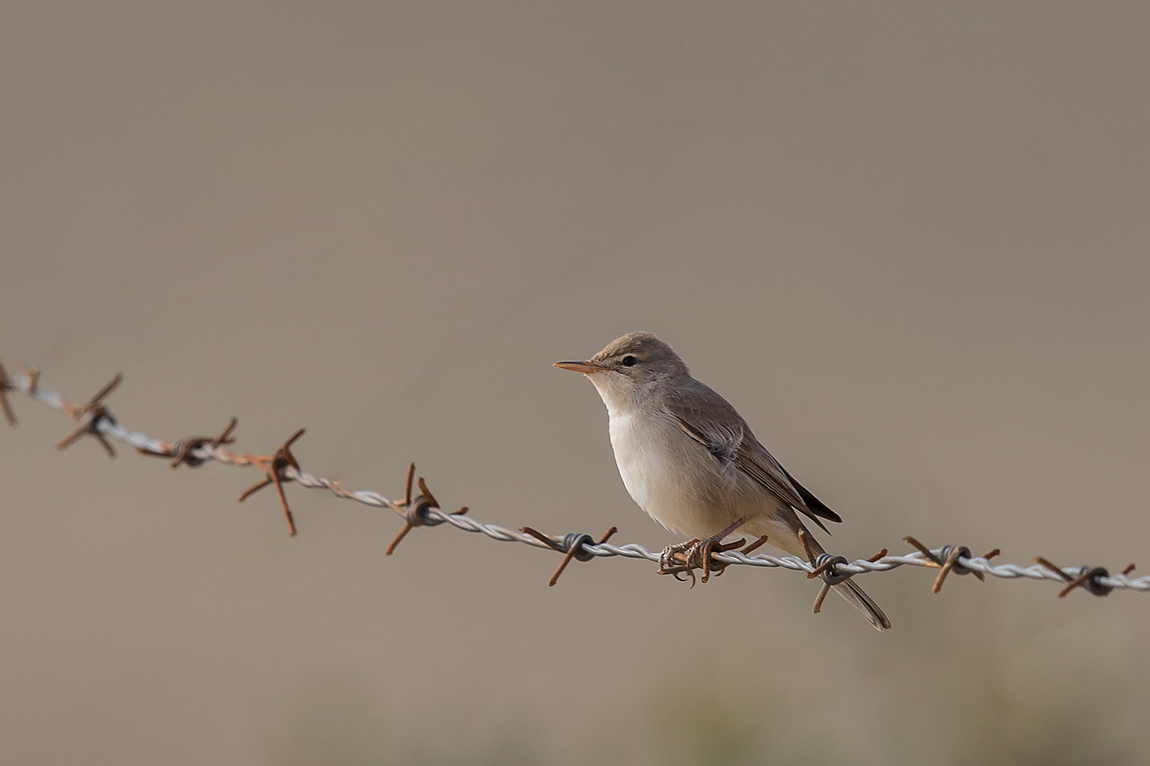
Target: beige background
x: 906, y: 240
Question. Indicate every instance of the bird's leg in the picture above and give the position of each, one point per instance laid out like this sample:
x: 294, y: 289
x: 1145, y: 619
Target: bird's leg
x: 685, y: 557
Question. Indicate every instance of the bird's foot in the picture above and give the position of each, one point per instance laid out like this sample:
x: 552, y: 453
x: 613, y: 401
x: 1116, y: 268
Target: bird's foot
x: 668, y: 559
x: 684, y: 558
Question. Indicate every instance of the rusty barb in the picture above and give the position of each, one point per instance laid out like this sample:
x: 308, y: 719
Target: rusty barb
x: 89, y: 417
x: 827, y: 566
x: 414, y: 510
x: 184, y: 451
x: 570, y: 545
x: 947, y: 560
x: 424, y: 510
x: 279, y: 467
x: 273, y: 467
x: 1088, y: 577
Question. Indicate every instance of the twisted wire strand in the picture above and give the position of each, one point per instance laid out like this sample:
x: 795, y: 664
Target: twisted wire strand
x: 29, y: 385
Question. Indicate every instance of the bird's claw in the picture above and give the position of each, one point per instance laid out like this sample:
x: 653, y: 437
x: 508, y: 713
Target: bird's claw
x: 684, y: 558
x: 668, y: 559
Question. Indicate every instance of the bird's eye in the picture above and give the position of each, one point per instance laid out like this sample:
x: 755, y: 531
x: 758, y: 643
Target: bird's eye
x: 629, y: 361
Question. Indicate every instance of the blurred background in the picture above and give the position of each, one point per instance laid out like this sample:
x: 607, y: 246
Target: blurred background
x: 907, y: 241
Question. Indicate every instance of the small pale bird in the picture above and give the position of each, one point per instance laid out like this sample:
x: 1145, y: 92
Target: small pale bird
x: 691, y: 462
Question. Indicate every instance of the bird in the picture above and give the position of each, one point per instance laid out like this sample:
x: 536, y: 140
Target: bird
x: 693, y: 464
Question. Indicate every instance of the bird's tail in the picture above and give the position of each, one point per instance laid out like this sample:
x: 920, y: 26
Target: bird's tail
x: 857, y: 597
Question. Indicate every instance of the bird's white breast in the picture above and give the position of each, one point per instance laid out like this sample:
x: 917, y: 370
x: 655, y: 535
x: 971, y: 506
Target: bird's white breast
x: 671, y: 476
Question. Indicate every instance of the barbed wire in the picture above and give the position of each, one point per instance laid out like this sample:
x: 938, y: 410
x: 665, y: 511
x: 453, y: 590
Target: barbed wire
x: 280, y: 467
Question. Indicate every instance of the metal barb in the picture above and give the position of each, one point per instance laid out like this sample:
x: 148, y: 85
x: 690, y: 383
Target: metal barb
x: 1053, y: 568
x: 824, y: 563
x: 811, y: 556
x: 805, y: 540
x: 947, y: 567
x: 273, y: 466
x: 414, y: 510
x: 550, y: 542
x: 427, y: 493
x: 182, y: 452
x: 89, y: 416
x: 395, y: 541
x: 826, y: 588
x: 571, y: 546
x: 407, y: 484
x: 754, y: 546
x: 927, y: 552
x: 948, y: 562
x: 1089, y: 578
x: 188, y: 446
x: 826, y: 567
x: 823, y: 591
x: 573, y: 551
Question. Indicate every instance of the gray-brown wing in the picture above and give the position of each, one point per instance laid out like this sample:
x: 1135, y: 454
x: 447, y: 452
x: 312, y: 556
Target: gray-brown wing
x: 710, y: 420
x: 726, y: 436
x: 816, y: 506
x: 760, y: 465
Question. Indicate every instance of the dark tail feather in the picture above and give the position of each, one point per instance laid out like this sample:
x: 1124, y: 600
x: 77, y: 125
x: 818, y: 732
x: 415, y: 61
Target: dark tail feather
x: 857, y: 597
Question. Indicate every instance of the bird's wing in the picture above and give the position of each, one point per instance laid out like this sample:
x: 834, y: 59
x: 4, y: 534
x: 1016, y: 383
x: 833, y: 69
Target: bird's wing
x: 816, y: 506
x: 723, y: 437
x: 760, y: 465
x: 726, y: 436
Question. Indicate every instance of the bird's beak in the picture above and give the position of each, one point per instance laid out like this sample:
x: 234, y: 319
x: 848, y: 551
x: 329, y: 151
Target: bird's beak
x: 584, y: 367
